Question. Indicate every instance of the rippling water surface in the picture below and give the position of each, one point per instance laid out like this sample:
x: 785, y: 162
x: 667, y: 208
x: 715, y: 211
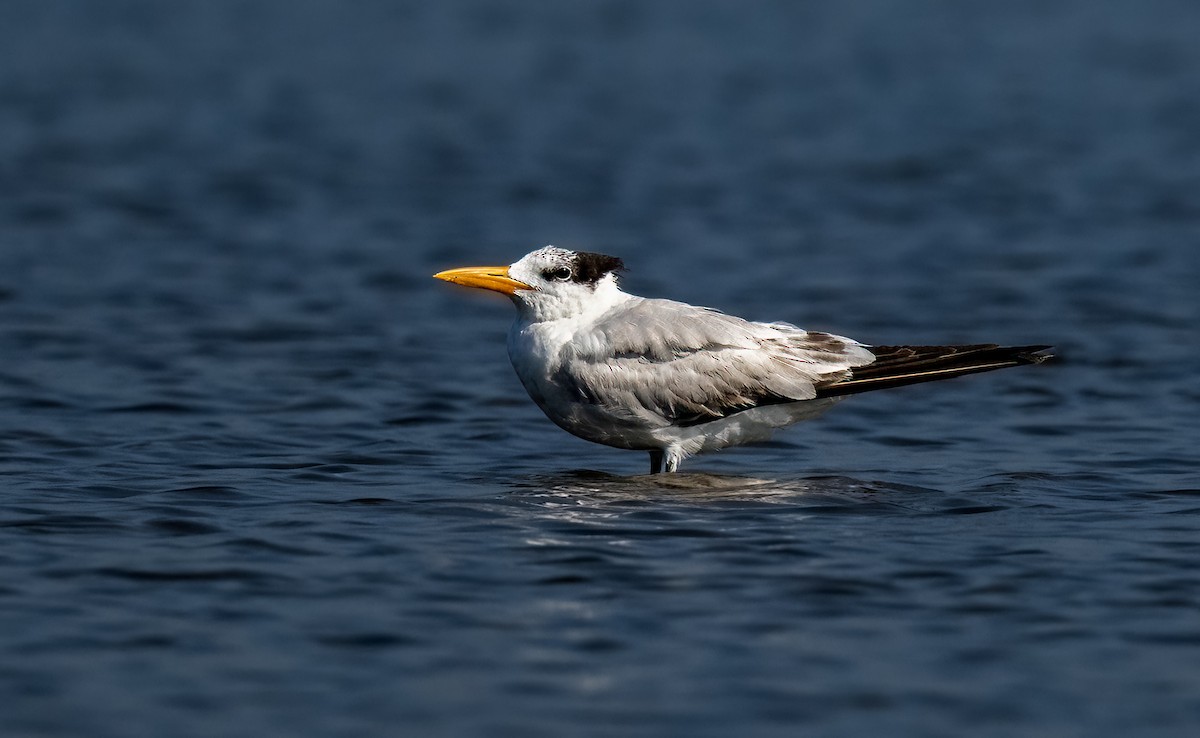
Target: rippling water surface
x: 263, y: 476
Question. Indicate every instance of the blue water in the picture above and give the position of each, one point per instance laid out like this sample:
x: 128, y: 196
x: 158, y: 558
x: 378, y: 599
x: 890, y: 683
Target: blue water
x: 261, y: 475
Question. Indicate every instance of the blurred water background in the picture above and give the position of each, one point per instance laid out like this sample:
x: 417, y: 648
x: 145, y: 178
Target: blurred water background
x: 261, y: 475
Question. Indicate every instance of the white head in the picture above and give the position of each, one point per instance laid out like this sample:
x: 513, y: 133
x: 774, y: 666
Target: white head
x: 550, y: 283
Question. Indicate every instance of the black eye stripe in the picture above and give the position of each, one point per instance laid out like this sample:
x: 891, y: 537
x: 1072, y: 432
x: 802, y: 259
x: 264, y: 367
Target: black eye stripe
x: 591, y: 267
x: 583, y: 268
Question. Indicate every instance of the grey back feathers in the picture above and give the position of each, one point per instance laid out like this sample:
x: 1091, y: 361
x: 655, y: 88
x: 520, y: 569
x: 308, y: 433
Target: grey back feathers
x: 662, y: 363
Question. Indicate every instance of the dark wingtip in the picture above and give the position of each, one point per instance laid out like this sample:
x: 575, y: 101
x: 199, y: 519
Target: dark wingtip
x: 897, y: 366
x: 1033, y: 354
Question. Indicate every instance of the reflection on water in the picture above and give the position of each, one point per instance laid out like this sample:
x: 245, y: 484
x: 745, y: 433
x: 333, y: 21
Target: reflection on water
x: 584, y: 487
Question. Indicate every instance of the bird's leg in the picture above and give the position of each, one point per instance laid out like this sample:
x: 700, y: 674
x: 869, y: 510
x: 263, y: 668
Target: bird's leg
x: 673, y: 459
x: 656, y: 460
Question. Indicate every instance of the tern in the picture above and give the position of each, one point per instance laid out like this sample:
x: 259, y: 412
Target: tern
x: 674, y: 379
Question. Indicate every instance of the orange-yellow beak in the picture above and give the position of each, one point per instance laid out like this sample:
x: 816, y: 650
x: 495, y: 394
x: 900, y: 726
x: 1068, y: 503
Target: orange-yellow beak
x: 485, y: 278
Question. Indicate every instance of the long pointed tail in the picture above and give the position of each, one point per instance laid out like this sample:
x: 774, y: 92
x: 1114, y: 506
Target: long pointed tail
x: 896, y: 366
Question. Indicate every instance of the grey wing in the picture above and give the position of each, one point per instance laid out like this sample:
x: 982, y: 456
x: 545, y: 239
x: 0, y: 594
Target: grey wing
x: 669, y: 363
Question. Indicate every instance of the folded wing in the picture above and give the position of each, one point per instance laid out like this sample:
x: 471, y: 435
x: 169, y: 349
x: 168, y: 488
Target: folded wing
x: 668, y: 363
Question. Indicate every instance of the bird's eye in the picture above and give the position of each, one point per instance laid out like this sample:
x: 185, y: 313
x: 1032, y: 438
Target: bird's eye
x: 562, y: 274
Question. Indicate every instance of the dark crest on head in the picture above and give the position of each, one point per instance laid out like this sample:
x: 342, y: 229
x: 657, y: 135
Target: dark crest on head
x: 590, y: 268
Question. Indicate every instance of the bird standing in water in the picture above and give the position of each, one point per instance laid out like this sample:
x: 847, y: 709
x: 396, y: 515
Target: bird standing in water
x: 674, y: 379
